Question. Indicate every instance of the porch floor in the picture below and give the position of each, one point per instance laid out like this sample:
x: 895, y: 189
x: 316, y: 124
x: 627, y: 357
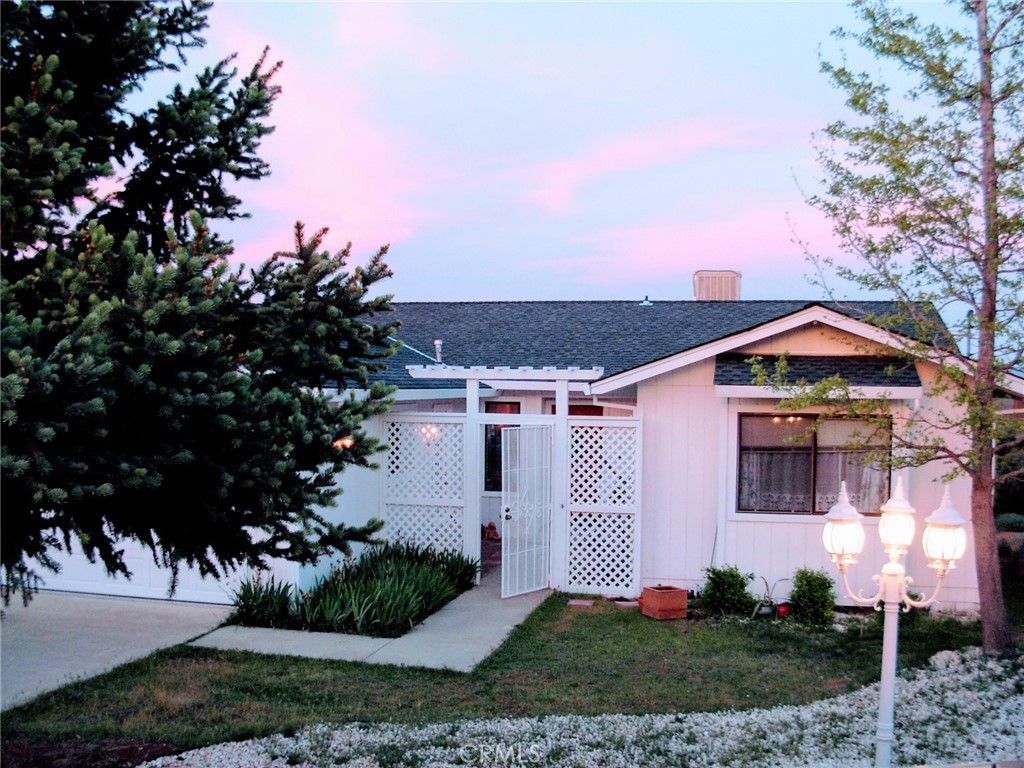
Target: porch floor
x: 458, y: 637
x: 490, y: 556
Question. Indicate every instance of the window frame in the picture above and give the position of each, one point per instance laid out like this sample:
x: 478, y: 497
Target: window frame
x: 746, y: 514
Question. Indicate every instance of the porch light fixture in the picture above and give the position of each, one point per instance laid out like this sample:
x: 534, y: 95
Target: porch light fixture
x: 429, y: 432
x: 344, y: 443
x: 944, y: 543
x: 843, y: 536
x: 896, y: 526
x: 944, y: 540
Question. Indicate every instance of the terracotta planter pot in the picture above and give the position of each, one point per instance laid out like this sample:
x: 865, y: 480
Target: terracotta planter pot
x: 663, y: 603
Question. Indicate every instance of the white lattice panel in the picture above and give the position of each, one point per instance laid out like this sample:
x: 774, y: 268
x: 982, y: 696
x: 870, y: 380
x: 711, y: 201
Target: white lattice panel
x: 438, y: 526
x: 424, y: 462
x: 603, y: 467
x: 423, y: 483
x: 601, y: 552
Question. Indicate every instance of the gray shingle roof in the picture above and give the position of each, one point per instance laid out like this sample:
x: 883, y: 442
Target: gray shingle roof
x: 614, y: 335
x: 858, y: 370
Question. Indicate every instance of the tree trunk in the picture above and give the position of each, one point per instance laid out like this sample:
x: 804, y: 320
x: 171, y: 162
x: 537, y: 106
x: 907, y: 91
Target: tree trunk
x: 996, y: 639
x: 995, y: 625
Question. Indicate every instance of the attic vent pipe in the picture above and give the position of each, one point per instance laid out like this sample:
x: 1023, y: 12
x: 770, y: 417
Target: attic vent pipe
x: 437, y: 351
x: 411, y: 348
x: 646, y: 302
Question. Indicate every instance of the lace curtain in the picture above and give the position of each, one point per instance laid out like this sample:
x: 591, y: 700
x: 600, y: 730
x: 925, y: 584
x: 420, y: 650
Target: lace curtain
x: 782, y: 470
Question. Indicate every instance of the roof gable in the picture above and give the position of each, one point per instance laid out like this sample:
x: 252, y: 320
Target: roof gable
x: 621, y: 337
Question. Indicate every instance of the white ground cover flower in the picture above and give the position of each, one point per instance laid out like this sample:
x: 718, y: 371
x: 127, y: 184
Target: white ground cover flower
x: 963, y: 707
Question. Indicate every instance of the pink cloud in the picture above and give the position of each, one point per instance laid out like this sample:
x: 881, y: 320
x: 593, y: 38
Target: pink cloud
x: 333, y: 164
x: 101, y: 188
x: 376, y: 34
x: 750, y: 239
x: 558, y: 183
x: 555, y: 186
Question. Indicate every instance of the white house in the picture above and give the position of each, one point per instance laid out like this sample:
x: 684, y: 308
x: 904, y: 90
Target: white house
x: 618, y: 445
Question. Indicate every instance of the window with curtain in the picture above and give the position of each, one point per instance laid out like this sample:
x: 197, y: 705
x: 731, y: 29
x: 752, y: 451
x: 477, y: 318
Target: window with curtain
x: 492, y: 445
x: 785, y: 470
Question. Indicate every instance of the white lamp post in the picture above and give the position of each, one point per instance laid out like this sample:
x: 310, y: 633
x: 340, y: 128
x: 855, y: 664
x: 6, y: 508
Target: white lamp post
x: 944, y: 543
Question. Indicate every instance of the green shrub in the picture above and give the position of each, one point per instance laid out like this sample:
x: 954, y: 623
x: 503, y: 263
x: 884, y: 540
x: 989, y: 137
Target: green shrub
x: 1011, y: 560
x: 387, y: 591
x: 813, y: 597
x: 388, y: 599
x: 914, y: 615
x: 1010, y: 522
x: 725, y: 591
x: 461, y: 570
x: 261, y: 603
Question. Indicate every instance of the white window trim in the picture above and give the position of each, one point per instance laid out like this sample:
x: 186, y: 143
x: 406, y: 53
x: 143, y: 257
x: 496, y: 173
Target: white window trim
x: 732, y: 448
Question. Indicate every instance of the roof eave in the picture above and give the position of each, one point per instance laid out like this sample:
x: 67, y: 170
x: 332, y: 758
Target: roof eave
x: 857, y: 393
x: 807, y: 316
x: 505, y: 374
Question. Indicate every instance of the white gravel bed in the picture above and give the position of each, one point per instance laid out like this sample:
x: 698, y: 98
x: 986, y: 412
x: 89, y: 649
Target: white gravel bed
x: 963, y: 707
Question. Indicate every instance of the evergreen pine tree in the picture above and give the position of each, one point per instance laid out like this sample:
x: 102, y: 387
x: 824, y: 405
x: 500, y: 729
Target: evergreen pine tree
x: 149, y: 392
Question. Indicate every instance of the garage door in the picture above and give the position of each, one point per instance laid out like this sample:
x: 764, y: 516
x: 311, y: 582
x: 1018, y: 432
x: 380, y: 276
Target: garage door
x: 77, y: 574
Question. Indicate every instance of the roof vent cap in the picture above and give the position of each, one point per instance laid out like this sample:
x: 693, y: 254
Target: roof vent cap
x: 716, y: 285
x: 646, y: 302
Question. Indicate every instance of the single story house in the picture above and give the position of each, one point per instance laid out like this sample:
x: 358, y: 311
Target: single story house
x: 622, y: 444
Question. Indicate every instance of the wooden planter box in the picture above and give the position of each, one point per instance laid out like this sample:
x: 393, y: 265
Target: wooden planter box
x: 663, y: 603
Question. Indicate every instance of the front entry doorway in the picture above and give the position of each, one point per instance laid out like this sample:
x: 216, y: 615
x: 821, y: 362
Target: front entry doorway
x: 525, y: 509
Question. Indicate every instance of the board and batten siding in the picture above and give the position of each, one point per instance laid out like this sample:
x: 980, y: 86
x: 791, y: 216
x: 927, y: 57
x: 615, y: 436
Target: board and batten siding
x: 689, y: 474
x: 682, y: 435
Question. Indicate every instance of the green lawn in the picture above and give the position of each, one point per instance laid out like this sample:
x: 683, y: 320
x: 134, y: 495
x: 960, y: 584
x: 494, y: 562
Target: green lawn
x: 561, y: 660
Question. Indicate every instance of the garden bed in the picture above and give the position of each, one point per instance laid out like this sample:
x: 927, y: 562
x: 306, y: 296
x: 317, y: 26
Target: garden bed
x: 390, y: 589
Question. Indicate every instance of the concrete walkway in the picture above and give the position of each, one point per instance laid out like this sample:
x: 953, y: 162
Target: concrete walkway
x: 63, y: 636
x: 458, y: 637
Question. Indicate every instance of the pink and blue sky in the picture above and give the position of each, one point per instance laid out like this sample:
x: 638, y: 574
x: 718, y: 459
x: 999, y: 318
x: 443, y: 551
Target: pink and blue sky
x: 544, y: 150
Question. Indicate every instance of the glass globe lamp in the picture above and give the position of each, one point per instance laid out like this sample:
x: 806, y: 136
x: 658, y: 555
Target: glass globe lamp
x: 896, y: 526
x: 843, y: 536
x: 945, y: 540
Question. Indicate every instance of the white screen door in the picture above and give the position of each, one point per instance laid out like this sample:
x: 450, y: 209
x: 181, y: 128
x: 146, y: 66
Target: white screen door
x: 526, y: 509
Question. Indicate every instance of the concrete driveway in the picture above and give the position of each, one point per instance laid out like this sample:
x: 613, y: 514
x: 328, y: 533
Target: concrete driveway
x: 63, y: 636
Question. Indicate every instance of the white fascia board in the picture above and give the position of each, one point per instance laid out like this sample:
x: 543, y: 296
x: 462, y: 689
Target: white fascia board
x: 502, y: 373
x: 409, y: 395
x: 345, y: 394
x: 1014, y: 385
x: 858, y: 393
x: 535, y: 386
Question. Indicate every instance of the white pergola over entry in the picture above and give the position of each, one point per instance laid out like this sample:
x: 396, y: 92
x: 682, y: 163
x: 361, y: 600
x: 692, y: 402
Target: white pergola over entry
x: 594, y: 500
